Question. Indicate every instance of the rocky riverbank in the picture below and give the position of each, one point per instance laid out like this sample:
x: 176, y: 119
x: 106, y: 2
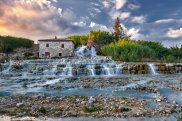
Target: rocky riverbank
x: 84, y: 106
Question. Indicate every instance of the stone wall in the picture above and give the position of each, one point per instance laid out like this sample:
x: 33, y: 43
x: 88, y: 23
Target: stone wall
x: 55, y: 47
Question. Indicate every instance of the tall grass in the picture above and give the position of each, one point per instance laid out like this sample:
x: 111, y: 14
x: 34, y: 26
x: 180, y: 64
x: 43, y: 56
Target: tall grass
x: 128, y: 51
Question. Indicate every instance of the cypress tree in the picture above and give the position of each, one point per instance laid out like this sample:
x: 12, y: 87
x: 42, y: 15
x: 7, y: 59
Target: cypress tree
x: 119, y: 31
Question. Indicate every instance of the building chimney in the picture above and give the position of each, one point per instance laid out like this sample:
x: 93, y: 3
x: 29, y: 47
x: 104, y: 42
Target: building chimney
x: 55, y: 37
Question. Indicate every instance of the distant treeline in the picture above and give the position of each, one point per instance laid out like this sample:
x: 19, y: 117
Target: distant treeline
x: 8, y: 43
x: 125, y: 49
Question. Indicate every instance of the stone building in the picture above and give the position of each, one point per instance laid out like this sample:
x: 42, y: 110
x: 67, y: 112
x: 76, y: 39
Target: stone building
x: 49, y: 48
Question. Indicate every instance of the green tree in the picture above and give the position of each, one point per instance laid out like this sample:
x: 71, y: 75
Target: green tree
x: 100, y: 37
x: 96, y: 37
x: 79, y: 40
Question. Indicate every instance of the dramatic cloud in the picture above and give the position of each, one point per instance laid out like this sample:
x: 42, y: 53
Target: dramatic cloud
x: 34, y: 18
x: 172, y: 33
x: 38, y: 19
x: 120, y: 4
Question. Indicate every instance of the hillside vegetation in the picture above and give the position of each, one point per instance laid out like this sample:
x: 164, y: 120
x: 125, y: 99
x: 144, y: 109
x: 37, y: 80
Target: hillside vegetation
x: 125, y: 49
x: 8, y: 43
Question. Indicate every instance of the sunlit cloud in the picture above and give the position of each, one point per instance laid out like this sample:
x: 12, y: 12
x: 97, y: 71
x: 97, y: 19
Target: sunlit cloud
x: 120, y: 3
x: 175, y: 33
x: 35, y: 19
x: 38, y: 19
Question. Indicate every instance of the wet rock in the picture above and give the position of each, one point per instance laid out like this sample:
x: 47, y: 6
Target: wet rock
x: 87, y: 86
x: 61, y: 65
x: 24, y: 85
x: 92, y: 99
x: 58, y: 87
x: 149, y: 89
x: 17, y: 67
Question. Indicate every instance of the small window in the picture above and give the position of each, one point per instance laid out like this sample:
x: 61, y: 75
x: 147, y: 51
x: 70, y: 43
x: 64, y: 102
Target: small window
x: 62, y: 46
x: 47, y: 45
x: 60, y: 54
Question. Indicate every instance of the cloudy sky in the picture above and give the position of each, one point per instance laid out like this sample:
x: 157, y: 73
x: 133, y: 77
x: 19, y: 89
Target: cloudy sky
x: 159, y: 20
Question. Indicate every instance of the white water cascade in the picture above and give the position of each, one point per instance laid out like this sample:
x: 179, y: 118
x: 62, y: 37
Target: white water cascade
x: 91, y: 69
x: 85, y: 52
x: 9, y: 67
x: 67, y: 71
x: 119, y: 69
x: 93, y: 52
x: 87, y: 64
x: 152, y: 67
x: 108, y: 70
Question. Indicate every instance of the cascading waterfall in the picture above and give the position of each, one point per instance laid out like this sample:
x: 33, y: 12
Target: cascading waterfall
x: 67, y: 71
x: 85, y: 52
x: 93, y: 52
x: 80, y: 51
x: 54, y: 69
x: 152, y: 68
x: 9, y: 67
x: 119, y: 69
x: 99, y: 66
x: 91, y: 68
x: 108, y: 70
x: 70, y: 73
x: 88, y: 64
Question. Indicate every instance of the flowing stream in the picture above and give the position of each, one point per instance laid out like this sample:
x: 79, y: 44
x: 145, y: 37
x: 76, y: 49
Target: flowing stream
x: 87, y: 74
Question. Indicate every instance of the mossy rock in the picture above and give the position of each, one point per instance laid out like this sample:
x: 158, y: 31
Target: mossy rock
x: 18, y: 111
x: 91, y: 108
x: 42, y: 110
x: 2, y: 111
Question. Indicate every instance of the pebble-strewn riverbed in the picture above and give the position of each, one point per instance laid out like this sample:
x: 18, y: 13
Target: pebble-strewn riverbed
x: 120, y: 97
x: 83, y: 106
